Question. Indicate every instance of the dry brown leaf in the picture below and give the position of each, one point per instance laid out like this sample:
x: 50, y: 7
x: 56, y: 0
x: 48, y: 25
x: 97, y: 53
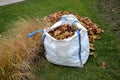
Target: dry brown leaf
x: 111, y: 48
x: 57, y: 32
x: 64, y: 28
x: 91, y: 44
x: 103, y: 65
x: 98, y: 37
x: 1, y: 35
x: 93, y: 54
x: 91, y: 47
x: 99, y: 30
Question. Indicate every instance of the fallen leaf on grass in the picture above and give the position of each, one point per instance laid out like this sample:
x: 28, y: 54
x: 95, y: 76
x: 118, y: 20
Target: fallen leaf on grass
x: 92, y: 38
x: 93, y: 54
x: 111, y: 48
x: 92, y: 47
x: 98, y: 37
x: 0, y: 35
x: 103, y: 65
x: 99, y: 30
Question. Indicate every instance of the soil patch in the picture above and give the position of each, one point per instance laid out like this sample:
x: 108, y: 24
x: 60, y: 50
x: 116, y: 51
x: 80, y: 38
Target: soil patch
x: 111, y: 13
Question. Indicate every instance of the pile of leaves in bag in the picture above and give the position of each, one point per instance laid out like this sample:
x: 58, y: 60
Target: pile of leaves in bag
x: 65, y: 31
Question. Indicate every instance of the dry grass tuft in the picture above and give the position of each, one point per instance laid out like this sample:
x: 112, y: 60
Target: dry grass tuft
x: 18, y: 52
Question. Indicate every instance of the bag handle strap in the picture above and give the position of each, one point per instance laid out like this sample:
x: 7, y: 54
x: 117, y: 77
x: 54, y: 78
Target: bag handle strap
x: 33, y: 33
x: 63, y: 18
x: 79, y: 39
x: 76, y: 21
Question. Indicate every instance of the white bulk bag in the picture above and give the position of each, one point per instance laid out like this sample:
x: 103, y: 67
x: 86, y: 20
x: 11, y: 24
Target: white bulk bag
x: 72, y: 51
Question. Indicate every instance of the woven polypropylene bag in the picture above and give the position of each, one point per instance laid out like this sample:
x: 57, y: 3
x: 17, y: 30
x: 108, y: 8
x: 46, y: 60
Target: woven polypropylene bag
x: 72, y: 51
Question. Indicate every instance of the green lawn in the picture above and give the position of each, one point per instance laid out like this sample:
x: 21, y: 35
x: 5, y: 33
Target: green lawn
x: 107, y: 49
x: 41, y: 8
